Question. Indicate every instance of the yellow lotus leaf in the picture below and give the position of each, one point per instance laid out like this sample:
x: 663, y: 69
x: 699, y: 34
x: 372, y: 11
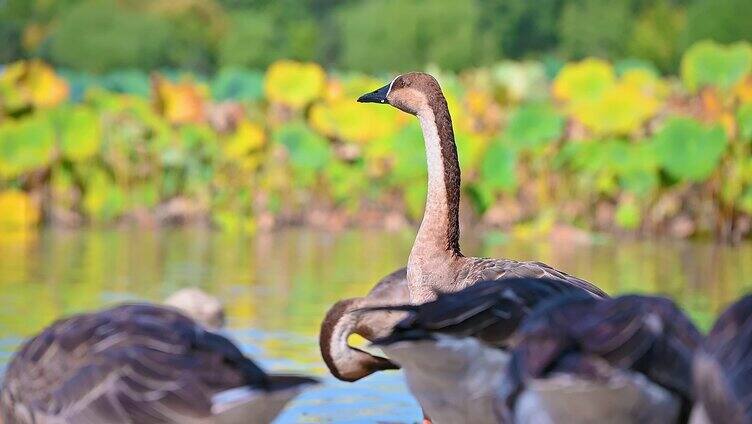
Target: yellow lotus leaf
x: 180, y: 102
x: 645, y: 81
x: 478, y: 101
x: 32, y: 83
x: 247, y: 138
x: 46, y: 88
x: 743, y: 90
x: 348, y: 120
x: 621, y: 109
x: 19, y: 210
x: 294, y: 84
x: 584, y: 81
x: 356, y: 85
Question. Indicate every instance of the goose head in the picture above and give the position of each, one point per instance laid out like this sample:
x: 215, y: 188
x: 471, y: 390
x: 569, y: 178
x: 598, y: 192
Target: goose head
x: 199, y: 305
x: 412, y: 93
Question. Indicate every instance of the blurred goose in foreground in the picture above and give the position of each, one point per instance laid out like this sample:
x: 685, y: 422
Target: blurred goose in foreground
x: 199, y: 305
x: 723, y: 369
x: 436, y: 264
x: 454, y: 350
x: 138, y: 363
x: 623, y: 360
x: 344, y: 361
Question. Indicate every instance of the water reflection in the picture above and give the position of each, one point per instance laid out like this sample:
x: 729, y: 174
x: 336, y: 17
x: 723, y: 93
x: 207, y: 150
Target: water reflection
x: 278, y: 286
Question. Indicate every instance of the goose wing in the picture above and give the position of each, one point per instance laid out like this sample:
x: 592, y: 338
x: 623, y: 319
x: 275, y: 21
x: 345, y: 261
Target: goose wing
x: 594, y: 338
x: 132, y: 363
x: 723, y: 366
x: 484, y: 269
x: 489, y: 310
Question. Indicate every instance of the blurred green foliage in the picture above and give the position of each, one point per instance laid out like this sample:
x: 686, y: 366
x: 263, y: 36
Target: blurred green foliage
x: 599, y: 146
x: 373, y: 36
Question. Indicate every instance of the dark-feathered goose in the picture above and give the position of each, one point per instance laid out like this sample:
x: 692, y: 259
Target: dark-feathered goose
x: 138, y: 363
x: 623, y: 360
x: 723, y: 369
x: 436, y: 263
x: 344, y: 361
x: 453, y: 350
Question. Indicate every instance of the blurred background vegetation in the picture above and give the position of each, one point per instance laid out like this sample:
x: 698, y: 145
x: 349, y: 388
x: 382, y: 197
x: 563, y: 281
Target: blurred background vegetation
x: 627, y: 116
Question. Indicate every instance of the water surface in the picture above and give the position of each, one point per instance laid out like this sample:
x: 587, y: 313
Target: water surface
x: 278, y: 286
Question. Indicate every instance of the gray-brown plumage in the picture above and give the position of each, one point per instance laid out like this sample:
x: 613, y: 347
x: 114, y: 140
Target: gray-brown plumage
x: 623, y: 360
x: 138, y: 363
x: 344, y: 361
x: 454, y: 350
x: 436, y: 263
x: 489, y: 311
x: 723, y: 369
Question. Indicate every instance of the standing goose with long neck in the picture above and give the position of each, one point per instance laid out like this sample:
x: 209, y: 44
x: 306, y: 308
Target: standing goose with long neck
x: 436, y: 263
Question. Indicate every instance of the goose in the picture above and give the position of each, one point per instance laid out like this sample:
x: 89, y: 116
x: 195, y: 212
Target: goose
x: 723, y: 369
x: 621, y: 361
x: 138, y: 363
x: 454, y: 351
x: 199, y: 305
x: 436, y: 263
x: 344, y: 361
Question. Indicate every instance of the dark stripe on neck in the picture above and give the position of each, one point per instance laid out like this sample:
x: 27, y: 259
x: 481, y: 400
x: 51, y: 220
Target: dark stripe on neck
x: 451, y: 169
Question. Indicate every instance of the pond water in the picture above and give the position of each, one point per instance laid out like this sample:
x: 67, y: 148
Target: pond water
x: 278, y: 286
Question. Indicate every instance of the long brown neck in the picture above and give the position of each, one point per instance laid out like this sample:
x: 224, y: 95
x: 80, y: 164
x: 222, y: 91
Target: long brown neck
x: 439, y: 231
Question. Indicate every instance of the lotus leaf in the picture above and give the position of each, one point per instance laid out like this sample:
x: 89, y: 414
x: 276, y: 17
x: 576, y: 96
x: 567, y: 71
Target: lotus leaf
x: 689, y: 151
x: 521, y: 81
x: 415, y: 199
x: 499, y: 168
x: 103, y: 199
x: 708, y: 63
x: 534, y: 125
x: 31, y: 84
x: 408, y: 155
x: 470, y: 149
x: 79, y: 132
x: 180, y: 102
x: 621, y: 109
x: 628, y: 215
x: 745, y: 203
x: 127, y: 81
x: 238, y: 84
x: 344, y: 180
x: 344, y: 120
x: 583, y: 81
x: 25, y: 145
x: 309, y: 152
x: 19, y: 210
x: 294, y: 84
x: 248, y: 137
x: 744, y: 120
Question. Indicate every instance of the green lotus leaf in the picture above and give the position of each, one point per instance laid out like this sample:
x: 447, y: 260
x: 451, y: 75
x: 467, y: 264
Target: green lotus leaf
x: 25, y: 145
x: 103, y: 199
x: 744, y: 120
x: 309, y: 152
x: 79, y: 132
x: 238, y: 84
x: 708, y: 63
x: 689, y: 151
x: 499, y: 168
x: 534, y: 125
x: 294, y: 84
x: 628, y: 215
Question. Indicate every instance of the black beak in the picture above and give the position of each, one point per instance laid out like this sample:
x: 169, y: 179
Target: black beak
x: 377, y: 96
